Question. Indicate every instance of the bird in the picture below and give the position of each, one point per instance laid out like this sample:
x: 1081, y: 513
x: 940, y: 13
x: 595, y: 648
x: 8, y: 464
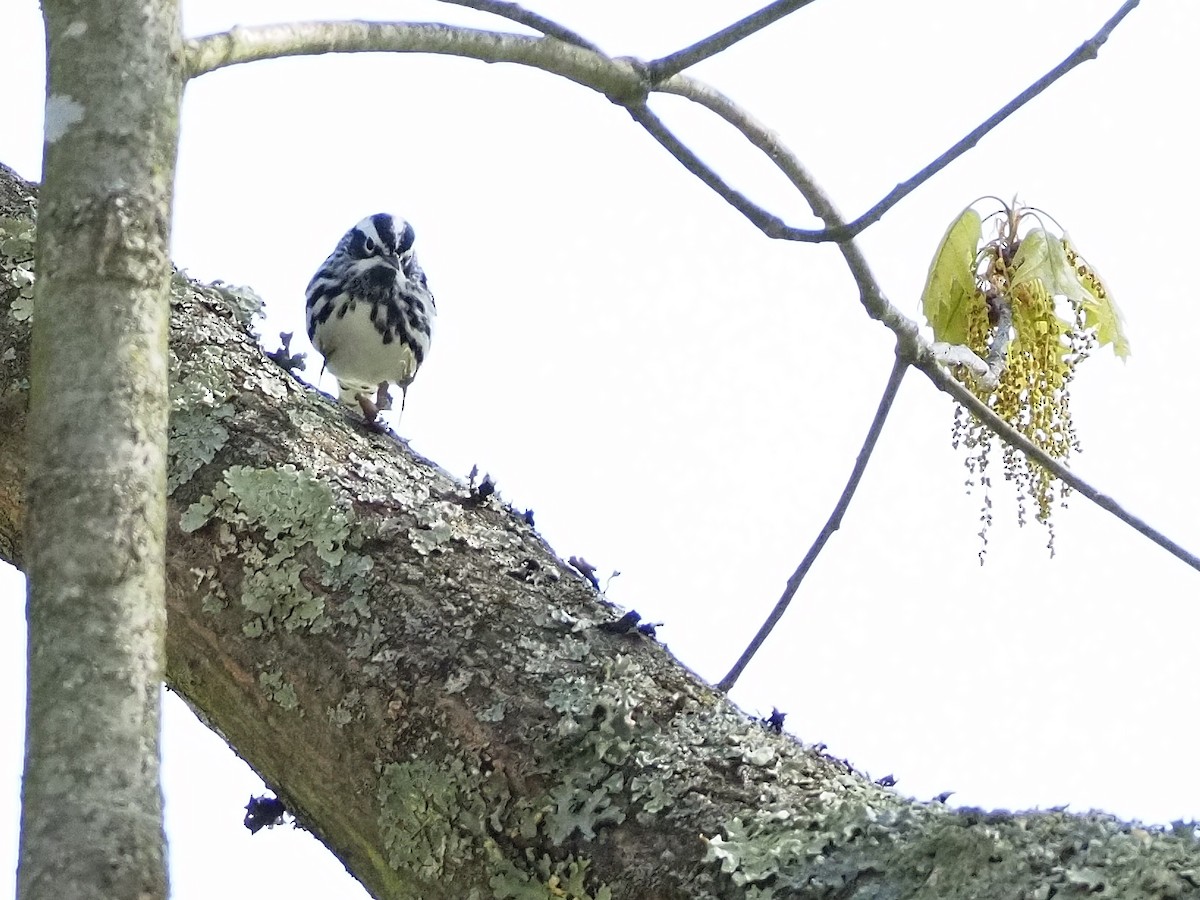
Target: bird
x: 370, y: 314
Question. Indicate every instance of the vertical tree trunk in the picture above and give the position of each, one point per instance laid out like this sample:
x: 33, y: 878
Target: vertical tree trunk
x: 91, y: 822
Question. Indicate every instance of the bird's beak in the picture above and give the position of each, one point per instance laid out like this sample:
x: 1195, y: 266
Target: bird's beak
x: 392, y: 260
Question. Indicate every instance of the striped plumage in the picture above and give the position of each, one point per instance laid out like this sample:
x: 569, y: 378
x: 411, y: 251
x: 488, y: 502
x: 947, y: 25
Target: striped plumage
x: 370, y: 313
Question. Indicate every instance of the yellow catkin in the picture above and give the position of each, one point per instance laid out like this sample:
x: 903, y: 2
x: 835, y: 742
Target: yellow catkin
x: 1033, y: 394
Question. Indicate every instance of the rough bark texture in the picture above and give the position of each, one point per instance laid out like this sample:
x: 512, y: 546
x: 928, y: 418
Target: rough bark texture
x: 95, y: 533
x: 426, y: 684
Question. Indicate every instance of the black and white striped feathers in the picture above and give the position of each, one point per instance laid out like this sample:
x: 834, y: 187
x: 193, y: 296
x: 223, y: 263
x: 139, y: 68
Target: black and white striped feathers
x: 370, y: 313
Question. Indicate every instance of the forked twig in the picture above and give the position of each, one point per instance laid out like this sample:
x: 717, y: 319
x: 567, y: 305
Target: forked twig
x: 899, y: 367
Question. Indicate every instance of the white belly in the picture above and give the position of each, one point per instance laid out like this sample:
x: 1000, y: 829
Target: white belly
x: 354, y: 351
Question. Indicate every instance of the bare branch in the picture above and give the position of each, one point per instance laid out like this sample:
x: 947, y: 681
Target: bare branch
x: 1088, y: 50
x: 514, y: 12
x: 789, y: 164
x: 775, y: 150
x: 769, y: 224
x: 623, y: 81
x: 620, y: 80
x: 667, y: 66
x: 833, y: 524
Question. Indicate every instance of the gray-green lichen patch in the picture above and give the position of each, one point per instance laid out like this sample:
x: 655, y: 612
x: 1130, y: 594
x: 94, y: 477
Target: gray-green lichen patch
x: 761, y: 851
x: 206, y: 382
x: 243, y: 303
x: 285, y: 527
x: 545, y: 880
x: 590, y: 744
x: 277, y: 689
x: 437, y: 819
x: 347, y: 708
x: 429, y: 817
x: 17, y: 239
x: 439, y: 524
x: 200, y: 403
x: 830, y: 848
x: 583, y: 803
x: 494, y: 713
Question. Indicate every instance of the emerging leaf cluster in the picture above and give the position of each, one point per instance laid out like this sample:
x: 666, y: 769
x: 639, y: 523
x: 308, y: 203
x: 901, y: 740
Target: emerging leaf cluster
x: 1027, y: 304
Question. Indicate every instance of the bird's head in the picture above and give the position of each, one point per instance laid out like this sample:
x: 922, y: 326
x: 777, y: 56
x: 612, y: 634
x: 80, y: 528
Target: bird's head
x: 384, y: 242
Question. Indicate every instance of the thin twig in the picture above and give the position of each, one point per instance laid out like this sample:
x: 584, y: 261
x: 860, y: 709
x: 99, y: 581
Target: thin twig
x: 899, y: 367
x: 667, y: 66
x: 1088, y: 50
x: 767, y: 141
x: 997, y: 358
x: 514, y: 12
x: 768, y: 223
x: 945, y: 382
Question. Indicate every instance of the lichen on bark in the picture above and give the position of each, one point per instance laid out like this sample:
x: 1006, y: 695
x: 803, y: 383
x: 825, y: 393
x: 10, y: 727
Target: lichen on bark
x: 455, y: 724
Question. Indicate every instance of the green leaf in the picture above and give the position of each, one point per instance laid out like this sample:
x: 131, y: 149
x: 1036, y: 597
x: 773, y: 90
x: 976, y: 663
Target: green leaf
x: 950, y: 288
x: 1041, y: 256
x: 1100, y: 310
x: 1054, y: 262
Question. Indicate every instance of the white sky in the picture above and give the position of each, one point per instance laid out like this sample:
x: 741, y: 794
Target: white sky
x: 681, y: 399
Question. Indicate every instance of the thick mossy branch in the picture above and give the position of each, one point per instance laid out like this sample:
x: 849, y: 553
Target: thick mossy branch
x: 426, y: 684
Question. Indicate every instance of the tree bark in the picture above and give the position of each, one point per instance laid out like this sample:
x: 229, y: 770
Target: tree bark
x: 94, y: 549
x: 431, y: 692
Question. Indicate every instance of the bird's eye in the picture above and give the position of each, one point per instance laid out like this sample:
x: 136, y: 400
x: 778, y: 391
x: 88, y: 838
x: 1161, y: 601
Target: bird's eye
x: 369, y: 245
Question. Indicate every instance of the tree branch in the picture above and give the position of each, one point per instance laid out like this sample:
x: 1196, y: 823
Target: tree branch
x: 661, y: 69
x: 769, y: 224
x: 947, y: 383
x: 619, y: 80
x: 899, y: 367
x: 425, y: 686
x: 768, y: 141
x: 623, y: 81
x: 514, y: 12
x: 95, y: 495
x: 1088, y: 50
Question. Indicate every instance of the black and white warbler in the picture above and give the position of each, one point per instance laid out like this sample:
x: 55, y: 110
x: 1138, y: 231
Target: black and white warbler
x: 370, y: 313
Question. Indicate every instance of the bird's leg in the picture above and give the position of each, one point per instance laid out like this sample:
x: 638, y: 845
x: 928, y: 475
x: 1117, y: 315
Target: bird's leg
x: 372, y: 406
x: 370, y: 409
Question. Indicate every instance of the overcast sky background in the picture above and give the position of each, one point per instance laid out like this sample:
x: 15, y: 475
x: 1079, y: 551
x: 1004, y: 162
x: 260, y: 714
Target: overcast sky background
x: 680, y: 398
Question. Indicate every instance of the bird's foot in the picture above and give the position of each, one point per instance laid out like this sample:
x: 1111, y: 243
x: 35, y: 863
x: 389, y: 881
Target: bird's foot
x: 370, y: 410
